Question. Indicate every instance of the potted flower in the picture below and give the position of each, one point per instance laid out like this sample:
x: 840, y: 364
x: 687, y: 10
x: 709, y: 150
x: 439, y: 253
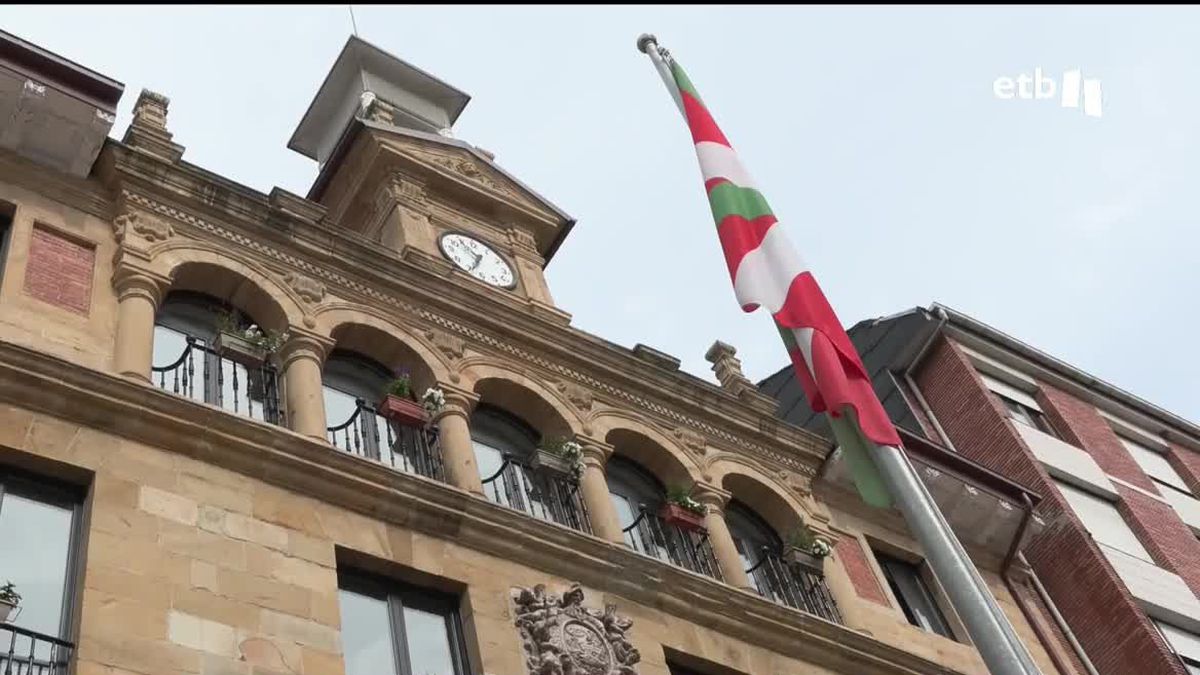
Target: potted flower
x: 433, y: 400
x: 398, y: 404
x: 682, y: 510
x: 9, y: 600
x: 807, y: 550
x: 248, y: 345
x: 558, y: 456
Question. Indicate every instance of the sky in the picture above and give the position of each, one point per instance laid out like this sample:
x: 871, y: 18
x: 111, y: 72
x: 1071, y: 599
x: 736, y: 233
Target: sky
x: 874, y: 132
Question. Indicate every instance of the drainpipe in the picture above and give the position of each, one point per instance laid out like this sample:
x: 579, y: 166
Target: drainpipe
x: 1014, y: 553
x: 912, y: 385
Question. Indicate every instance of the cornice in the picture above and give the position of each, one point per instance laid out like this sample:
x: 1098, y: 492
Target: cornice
x: 359, y: 267
x: 142, y: 413
x: 82, y: 194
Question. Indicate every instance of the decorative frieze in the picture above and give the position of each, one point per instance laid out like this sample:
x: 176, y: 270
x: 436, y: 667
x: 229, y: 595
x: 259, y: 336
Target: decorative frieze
x: 562, y: 637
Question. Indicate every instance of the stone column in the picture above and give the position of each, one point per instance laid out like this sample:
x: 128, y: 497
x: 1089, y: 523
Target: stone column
x: 594, y: 488
x: 138, y: 295
x: 454, y: 438
x: 732, y: 568
x: 302, y: 359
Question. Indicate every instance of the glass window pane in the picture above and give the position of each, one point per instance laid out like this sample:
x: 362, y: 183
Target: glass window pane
x: 366, y: 635
x: 1103, y: 521
x: 428, y: 643
x: 917, y: 601
x: 36, y: 540
x: 625, y: 511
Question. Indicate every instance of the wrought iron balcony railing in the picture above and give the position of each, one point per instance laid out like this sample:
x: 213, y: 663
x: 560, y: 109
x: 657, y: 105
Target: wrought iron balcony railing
x: 794, y: 586
x: 650, y: 535
x: 407, y: 448
x: 538, y: 493
x: 27, y: 652
x: 203, y: 374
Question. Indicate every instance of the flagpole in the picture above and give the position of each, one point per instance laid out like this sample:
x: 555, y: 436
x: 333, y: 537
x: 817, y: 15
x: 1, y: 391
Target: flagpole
x: 989, y: 628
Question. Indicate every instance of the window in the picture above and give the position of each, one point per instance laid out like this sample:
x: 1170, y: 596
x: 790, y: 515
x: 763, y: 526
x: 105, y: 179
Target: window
x: 39, y: 524
x: 1103, y: 521
x: 185, y: 360
x: 1186, y: 645
x: 915, y: 598
x: 394, y: 629
x: 1155, y: 464
x: 1021, y: 406
x: 8, y: 211
x: 347, y: 379
x: 754, y: 539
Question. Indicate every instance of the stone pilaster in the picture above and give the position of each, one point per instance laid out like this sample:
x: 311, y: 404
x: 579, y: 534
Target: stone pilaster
x: 594, y: 487
x: 139, y: 292
x: 454, y: 437
x: 732, y: 568
x: 302, y: 359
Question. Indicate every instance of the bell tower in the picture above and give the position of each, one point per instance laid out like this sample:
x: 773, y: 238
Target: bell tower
x: 381, y: 131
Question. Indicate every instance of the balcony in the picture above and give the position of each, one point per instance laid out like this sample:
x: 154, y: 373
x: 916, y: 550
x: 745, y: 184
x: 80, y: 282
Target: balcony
x: 540, y: 494
x: 652, y: 536
x: 203, y: 374
x: 793, y: 586
x: 26, y: 652
x: 405, y: 448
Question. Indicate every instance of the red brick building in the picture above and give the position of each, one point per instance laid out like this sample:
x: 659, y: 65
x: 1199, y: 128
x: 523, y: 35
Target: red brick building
x: 1118, y: 558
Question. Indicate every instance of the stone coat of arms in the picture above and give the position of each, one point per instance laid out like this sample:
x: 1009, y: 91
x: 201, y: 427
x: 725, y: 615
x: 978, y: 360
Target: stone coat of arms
x: 562, y: 637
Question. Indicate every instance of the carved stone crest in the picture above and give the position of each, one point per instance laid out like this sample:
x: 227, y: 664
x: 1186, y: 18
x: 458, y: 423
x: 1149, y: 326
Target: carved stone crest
x: 148, y: 228
x: 310, y: 290
x: 450, y: 346
x: 690, y: 439
x: 578, y: 396
x: 562, y: 637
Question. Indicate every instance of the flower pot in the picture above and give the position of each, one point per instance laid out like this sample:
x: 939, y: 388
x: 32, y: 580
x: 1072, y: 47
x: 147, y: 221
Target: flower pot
x: 6, y: 609
x: 803, y: 559
x: 238, y: 349
x: 402, y: 411
x: 552, y: 463
x: 680, y: 517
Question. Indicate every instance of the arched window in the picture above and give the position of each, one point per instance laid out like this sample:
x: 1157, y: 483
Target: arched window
x: 186, y: 361
x: 752, y: 536
x: 496, y: 435
x: 348, y: 380
x: 630, y: 487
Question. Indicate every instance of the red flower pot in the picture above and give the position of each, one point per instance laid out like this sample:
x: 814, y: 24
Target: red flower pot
x: 402, y: 411
x: 680, y: 517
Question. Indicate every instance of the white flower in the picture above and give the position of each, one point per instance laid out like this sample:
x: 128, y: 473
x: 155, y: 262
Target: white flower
x: 820, y: 548
x: 433, y: 399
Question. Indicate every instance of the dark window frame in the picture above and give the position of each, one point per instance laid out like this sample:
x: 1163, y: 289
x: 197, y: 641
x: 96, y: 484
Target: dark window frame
x: 8, y: 220
x: 889, y: 564
x: 37, y: 487
x: 1030, y: 417
x: 398, y: 595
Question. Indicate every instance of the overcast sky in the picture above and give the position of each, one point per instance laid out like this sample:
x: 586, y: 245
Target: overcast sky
x: 874, y: 133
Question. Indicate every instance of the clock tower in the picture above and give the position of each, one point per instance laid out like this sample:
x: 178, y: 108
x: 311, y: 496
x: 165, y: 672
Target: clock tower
x: 391, y: 170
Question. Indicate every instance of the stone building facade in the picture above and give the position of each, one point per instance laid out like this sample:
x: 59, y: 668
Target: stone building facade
x: 173, y: 502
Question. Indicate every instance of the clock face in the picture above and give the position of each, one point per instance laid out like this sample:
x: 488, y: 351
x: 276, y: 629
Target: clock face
x: 477, y: 259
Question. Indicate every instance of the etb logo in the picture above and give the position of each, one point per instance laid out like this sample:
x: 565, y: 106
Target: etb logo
x: 1040, y: 86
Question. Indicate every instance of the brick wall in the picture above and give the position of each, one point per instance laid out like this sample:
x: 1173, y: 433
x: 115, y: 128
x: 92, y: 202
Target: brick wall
x: 1045, y: 619
x: 1164, y: 535
x: 972, y: 417
x: 850, y: 552
x: 1187, y: 463
x: 1112, y: 629
x: 1081, y: 425
x: 59, y: 271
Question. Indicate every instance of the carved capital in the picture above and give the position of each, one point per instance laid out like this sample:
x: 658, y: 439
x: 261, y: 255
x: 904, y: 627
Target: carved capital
x: 561, y: 636
x: 133, y: 281
x: 711, y: 496
x: 459, y: 402
x: 310, y: 290
x: 594, y: 453
x: 304, y: 344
